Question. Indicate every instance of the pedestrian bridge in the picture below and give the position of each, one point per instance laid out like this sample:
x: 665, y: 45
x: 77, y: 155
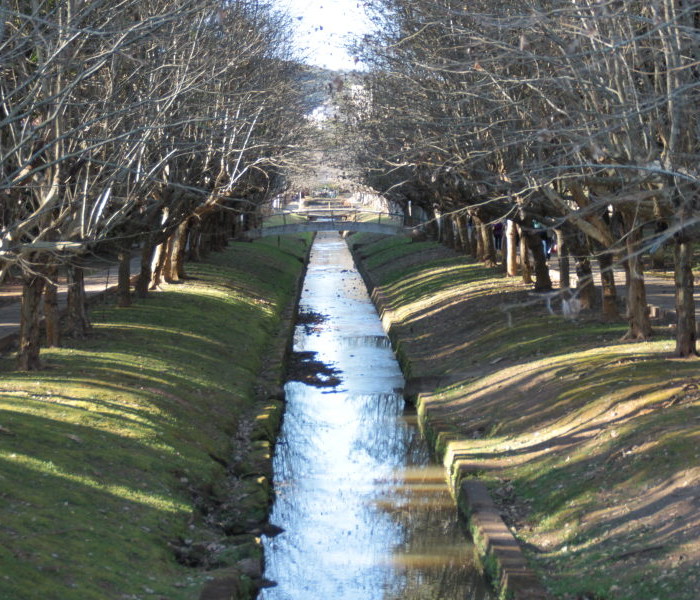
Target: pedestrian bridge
x: 335, y: 219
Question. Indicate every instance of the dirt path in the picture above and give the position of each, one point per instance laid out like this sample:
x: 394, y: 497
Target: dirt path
x: 97, y: 280
x: 660, y: 290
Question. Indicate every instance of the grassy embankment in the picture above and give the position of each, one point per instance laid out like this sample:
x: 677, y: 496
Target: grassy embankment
x: 590, y: 446
x: 131, y: 453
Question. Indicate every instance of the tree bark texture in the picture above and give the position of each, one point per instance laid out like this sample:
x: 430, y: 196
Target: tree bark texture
x: 51, y: 312
x: 486, y: 250
x: 637, y: 309
x: 607, y: 277
x: 489, y: 247
x: 78, y: 321
x: 585, y: 287
x: 158, y: 264
x: 473, y: 238
x: 563, y: 258
x: 525, y: 264
x: 124, y: 278
x: 479, y: 239
x: 144, y: 280
x: 167, y: 259
x: 456, y: 233
x: 30, y: 324
x: 543, y: 281
x: 511, y: 242
x: 177, y: 246
x: 461, y: 222
x: 686, y: 332
x: 448, y: 238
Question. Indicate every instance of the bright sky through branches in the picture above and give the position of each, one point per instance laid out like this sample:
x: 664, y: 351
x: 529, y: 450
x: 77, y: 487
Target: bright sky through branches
x: 323, y: 27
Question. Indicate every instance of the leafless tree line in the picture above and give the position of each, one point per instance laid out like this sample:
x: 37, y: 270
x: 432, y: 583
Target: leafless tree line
x: 580, y: 117
x: 153, y: 124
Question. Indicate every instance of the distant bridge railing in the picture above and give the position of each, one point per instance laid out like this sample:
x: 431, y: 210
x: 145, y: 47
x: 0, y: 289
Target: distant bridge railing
x: 337, y: 213
x: 329, y: 219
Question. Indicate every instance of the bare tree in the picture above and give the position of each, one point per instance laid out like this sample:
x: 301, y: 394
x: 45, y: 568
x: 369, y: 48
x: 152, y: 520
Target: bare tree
x: 565, y: 113
x: 126, y: 123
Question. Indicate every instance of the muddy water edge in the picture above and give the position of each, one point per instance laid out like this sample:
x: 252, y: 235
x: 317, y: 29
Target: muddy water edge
x: 363, y: 512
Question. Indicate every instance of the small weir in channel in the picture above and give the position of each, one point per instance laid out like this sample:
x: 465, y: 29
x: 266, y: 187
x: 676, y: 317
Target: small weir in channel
x: 366, y: 514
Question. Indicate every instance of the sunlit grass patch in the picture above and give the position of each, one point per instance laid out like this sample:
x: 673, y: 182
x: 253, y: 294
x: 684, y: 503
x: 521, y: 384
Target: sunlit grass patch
x: 104, y: 454
x: 590, y: 445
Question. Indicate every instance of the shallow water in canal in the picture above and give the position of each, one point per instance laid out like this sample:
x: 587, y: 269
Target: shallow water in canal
x: 365, y: 514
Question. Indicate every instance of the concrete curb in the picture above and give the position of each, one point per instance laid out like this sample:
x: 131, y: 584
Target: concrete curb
x: 500, y: 552
x: 501, y: 556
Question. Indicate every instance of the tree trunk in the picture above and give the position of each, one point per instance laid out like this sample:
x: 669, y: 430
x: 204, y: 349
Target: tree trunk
x: 78, y: 322
x: 511, y: 249
x: 525, y: 265
x: 124, y: 278
x: 637, y: 309
x: 563, y: 257
x: 585, y: 286
x: 626, y: 266
x: 479, y: 239
x: 195, y: 247
x: 145, y: 274
x: 489, y: 248
x: 30, y: 329
x: 158, y: 265
x: 51, y: 312
x: 168, y: 255
x: 432, y: 228
x: 461, y: 224
x: 456, y: 233
x: 485, y: 249
x: 448, y: 237
x: 177, y: 258
x: 607, y: 278
x: 543, y: 281
x: 686, y: 333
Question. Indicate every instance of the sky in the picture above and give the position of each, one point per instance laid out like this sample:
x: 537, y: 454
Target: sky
x: 322, y: 28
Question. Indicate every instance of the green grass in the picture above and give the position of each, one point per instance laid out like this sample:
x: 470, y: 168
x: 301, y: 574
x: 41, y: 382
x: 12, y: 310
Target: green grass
x: 592, y: 438
x: 106, y: 454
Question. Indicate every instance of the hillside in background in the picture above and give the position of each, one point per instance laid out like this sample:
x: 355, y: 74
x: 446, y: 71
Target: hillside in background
x: 321, y: 85
x: 327, y: 161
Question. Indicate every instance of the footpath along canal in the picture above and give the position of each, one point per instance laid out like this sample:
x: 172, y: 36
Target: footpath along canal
x: 365, y: 514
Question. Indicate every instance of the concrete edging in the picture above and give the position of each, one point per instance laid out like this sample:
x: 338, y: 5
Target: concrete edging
x: 500, y: 553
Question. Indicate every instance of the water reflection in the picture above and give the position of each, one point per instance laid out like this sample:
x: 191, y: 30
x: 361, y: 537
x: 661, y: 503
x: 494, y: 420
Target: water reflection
x: 365, y: 514
x: 362, y: 341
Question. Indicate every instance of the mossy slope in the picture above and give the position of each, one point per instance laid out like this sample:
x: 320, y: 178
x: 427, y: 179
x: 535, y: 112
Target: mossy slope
x: 112, y: 456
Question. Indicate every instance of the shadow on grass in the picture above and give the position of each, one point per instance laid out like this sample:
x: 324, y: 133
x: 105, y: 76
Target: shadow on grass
x: 104, y: 456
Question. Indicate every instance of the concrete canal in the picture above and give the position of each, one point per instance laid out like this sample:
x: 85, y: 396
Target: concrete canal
x: 365, y: 513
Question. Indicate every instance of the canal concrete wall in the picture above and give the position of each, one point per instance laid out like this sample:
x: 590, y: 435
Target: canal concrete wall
x: 499, y: 551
